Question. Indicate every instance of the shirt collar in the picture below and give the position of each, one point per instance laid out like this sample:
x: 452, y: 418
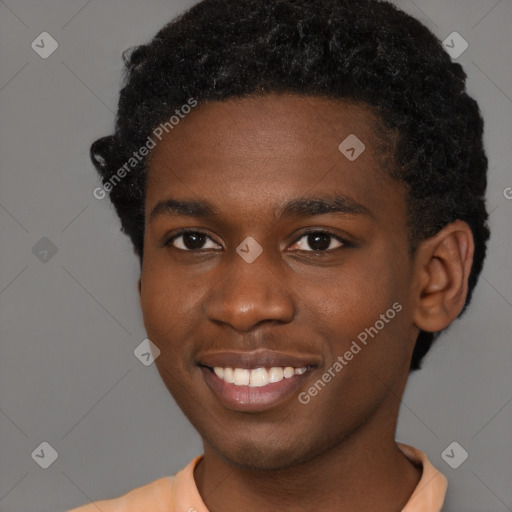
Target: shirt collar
x: 431, y: 489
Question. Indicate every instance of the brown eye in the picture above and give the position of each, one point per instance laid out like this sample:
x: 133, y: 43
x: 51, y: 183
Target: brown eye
x: 191, y: 241
x: 318, y: 241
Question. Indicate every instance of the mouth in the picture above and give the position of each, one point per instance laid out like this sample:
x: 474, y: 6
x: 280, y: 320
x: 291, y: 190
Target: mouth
x: 254, y: 382
x: 257, y: 377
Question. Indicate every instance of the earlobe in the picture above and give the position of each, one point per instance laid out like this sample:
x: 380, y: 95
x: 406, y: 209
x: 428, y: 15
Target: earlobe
x: 442, y: 267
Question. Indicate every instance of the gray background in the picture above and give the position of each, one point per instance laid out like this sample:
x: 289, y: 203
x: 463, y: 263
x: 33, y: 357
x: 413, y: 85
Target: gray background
x: 69, y: 325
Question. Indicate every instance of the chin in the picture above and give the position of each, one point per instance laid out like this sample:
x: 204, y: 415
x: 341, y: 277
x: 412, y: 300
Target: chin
x: 264, y: 456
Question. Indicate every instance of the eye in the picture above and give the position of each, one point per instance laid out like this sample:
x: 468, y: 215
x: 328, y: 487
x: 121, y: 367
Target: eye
x: 188, y: 240
x: 319, y: 241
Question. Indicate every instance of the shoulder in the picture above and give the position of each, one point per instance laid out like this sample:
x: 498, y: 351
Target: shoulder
x: 155, y: 496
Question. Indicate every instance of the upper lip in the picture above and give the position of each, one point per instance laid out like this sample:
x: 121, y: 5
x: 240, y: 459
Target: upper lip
x: 256, y: 359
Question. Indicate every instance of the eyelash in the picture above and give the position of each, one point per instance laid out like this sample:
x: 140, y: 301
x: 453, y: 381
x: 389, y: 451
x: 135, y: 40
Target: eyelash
x: 344, y: 242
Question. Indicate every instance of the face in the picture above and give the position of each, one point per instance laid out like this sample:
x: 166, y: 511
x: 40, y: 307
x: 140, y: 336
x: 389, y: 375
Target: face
x: 266, y: 247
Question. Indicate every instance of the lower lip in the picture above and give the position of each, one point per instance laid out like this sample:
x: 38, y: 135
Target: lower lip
x: 253, y: 399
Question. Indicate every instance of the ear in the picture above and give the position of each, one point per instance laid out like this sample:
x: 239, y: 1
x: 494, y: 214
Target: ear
x: 442, y: 266
x: 139, y: 287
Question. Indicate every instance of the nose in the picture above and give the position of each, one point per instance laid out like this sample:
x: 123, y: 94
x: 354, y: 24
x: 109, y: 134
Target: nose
x: 251, y: 294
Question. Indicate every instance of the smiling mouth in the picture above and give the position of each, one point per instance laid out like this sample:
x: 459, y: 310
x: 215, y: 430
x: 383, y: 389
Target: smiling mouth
x: 258, y: 380
x: 256, y: 377
x: 257, y: 389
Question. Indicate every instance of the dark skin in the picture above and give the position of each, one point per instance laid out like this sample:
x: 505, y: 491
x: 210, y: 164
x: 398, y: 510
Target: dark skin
x: 247, y: 158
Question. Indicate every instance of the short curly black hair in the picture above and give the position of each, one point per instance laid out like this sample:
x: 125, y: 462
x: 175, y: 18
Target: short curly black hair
x: 356, y: 50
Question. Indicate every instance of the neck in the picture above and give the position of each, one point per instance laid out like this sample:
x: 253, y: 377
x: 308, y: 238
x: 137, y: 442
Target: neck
x: 365, y: 471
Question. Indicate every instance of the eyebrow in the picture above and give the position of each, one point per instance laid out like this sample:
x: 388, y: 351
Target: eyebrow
x: 303, y: 207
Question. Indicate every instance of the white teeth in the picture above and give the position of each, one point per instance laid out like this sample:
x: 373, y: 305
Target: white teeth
x: 242, y: 376
x: 257, y: 377
x: 229, y: 375
x: 289, y: 372
x: 275, y: 374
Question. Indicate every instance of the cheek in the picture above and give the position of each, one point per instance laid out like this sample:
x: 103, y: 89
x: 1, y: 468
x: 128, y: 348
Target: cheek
x: 166, y: 303
x: 363, y: 303
x: 167, y: 325
x: 350, y: 299
x: 159, y: 302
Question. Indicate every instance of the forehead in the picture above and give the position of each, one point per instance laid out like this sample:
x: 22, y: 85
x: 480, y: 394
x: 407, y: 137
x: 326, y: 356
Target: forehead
x: 262, y: 122
x: 269, y: 148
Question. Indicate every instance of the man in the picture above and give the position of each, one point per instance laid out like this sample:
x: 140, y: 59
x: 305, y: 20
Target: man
x: 307, y: 224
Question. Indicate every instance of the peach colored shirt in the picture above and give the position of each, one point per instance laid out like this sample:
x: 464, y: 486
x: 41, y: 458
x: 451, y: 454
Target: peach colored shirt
x: 179, y: 493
